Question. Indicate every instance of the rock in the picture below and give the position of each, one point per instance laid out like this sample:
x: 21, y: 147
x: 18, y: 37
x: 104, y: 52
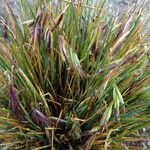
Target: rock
x: 12, y: 5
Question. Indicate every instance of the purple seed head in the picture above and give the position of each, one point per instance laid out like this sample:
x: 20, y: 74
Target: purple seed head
x: 38, y: 117
x: 13, y: 103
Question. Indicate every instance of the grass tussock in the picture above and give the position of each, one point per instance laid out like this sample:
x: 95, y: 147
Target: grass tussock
x: 72, y: 77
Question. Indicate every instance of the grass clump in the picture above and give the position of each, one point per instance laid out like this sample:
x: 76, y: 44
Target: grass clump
x: 72, y: 77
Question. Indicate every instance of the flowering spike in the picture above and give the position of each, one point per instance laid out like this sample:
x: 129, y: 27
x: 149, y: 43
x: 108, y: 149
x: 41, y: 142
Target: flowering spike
x: 38, y: 117
x: 13, y: 103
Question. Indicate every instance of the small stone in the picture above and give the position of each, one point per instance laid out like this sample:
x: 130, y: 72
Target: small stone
x: 148, y: 143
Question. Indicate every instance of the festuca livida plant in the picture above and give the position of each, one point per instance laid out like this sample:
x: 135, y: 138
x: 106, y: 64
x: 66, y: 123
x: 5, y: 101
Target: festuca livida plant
x: 72, y: 76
